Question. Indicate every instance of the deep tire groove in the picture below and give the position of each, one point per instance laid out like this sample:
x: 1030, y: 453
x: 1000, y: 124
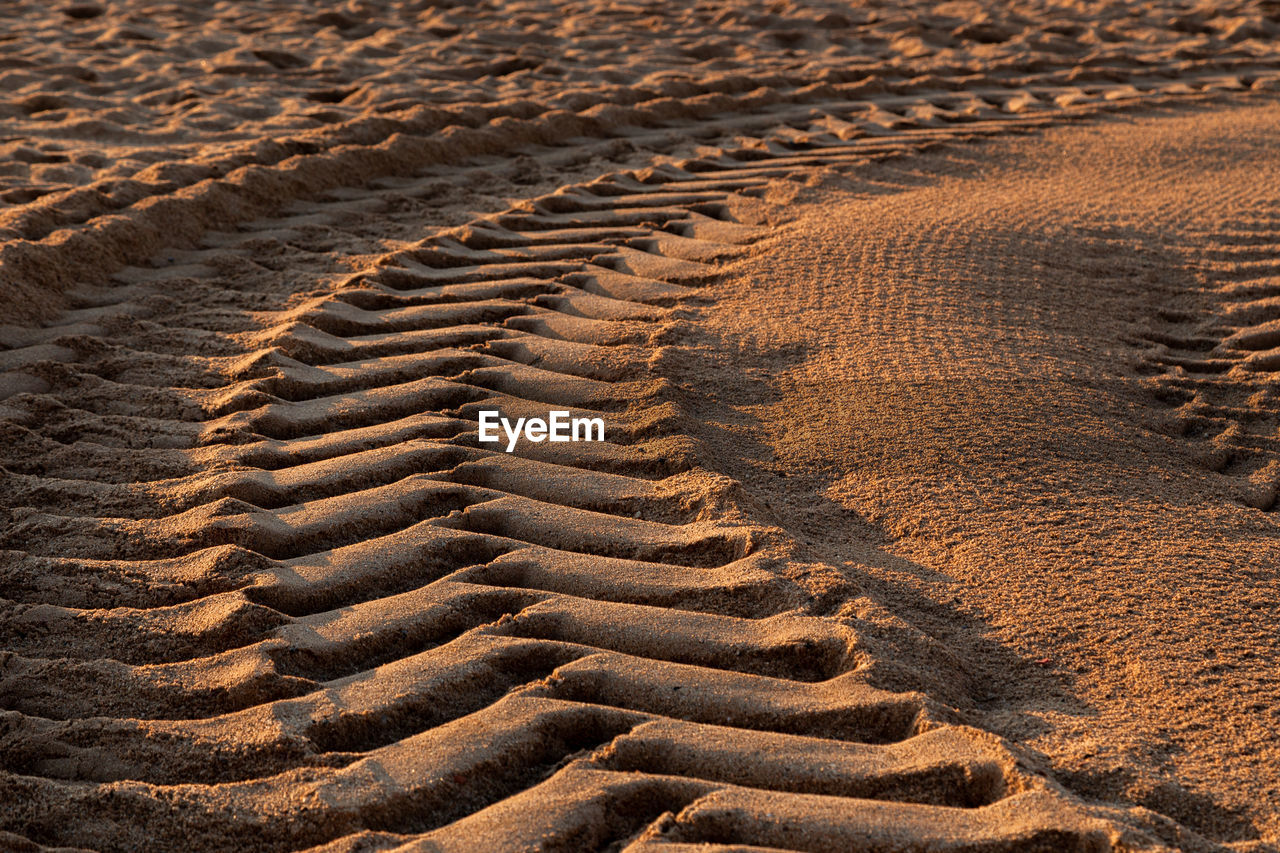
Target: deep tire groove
x: 418, y: 634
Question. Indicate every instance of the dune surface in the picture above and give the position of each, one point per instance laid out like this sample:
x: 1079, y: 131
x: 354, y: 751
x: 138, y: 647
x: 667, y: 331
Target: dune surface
x: 934, y: 347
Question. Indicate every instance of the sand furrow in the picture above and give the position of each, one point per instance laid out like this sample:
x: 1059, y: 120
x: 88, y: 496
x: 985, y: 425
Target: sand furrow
x: 399, y: 635
x: 101, y: 231
x: 1215, y: 366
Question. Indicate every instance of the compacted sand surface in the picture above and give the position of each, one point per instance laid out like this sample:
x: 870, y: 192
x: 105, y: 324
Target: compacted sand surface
x: 935, y: 348
x: 1012, y: 387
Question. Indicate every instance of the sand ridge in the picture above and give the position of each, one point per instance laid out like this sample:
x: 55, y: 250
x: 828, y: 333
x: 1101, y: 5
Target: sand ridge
x: 148, y: 134
x: 247, y: 515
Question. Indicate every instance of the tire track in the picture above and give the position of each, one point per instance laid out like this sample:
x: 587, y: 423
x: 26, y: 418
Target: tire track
x: 1214, y: 367
x: 329, y: 600
x: 73, y: 237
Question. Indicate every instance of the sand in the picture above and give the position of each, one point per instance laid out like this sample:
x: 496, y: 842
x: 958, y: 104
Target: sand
x: 935, y: 345
x: 1016, y: 391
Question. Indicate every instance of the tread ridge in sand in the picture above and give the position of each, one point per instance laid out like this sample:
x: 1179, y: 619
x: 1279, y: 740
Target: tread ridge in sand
x: 453, y: 641
x: 88, y: 224
x: 1214, y: 367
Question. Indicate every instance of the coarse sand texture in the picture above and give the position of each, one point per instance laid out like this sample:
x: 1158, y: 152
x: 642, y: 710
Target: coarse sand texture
x: 933, y: 349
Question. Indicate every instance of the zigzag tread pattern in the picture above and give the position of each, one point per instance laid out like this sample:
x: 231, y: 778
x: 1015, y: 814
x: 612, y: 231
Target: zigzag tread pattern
x: 339, y: 620
x: 1214, y: 365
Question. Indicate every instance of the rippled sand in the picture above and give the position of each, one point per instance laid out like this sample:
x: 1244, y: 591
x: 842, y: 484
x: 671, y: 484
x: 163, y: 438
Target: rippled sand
x: 935, y: 349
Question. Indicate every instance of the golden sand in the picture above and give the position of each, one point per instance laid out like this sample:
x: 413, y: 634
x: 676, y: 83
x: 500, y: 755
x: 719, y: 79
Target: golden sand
x: 934, y: 348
